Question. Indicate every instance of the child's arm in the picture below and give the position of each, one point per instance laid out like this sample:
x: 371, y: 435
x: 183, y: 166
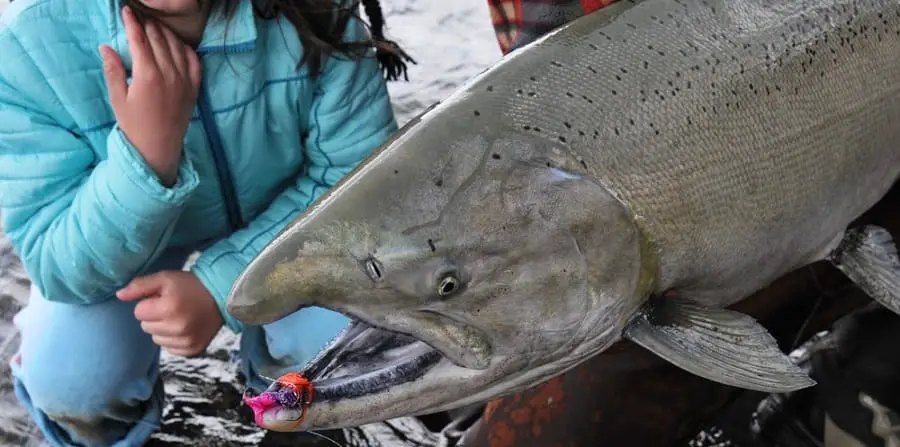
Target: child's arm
x: 351, y: 117
x: 82, y: 227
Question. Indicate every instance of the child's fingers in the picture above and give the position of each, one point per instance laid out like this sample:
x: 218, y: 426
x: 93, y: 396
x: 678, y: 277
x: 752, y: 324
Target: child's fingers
x: 167, y: 342
x: 141, y: 287
x: 161, y: 327
x: 160, y: 47
x: 187, y: 353
x: 178, y: 346
x: 141, y: 52
x: 195, y: 70
x: 116, y: 79
x: 176, y: 52
x: 150, y: 309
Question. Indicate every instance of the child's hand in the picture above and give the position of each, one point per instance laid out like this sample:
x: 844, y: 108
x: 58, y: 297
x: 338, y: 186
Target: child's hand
x: 176, y: 310
x: 155, y: 110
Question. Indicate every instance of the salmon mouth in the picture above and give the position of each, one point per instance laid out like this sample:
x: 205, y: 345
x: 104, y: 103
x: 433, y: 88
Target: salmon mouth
x: 363, y: 360
x: 366, y: 360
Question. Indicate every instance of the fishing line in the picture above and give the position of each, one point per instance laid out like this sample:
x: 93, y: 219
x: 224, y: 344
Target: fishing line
x: 325, y: 438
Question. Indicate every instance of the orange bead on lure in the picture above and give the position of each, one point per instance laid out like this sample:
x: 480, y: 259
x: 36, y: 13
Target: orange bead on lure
x: 292, y: 390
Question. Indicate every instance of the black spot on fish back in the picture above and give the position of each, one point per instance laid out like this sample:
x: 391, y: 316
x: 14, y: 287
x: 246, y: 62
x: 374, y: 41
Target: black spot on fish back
x: 717, y: 67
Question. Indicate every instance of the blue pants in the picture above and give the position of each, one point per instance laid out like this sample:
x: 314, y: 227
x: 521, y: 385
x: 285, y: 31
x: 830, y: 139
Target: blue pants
x: 89, y: 376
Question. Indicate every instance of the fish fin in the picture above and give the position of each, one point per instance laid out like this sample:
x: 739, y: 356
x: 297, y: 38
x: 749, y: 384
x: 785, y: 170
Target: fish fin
x: 717, y: 344
x: 868, y: 256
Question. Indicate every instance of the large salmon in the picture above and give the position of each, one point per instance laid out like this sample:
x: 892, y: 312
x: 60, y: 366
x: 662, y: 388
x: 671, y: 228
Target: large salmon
x: 627, y: 176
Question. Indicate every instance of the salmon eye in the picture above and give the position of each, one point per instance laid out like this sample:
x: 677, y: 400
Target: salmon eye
x: 448, y: 285
x: 373, y: 269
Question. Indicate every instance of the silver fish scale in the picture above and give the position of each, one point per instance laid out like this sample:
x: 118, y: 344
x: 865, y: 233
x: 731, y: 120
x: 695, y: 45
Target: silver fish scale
x: 743, y: 134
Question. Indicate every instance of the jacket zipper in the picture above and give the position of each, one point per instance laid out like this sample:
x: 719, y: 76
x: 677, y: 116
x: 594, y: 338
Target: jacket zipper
x: 214, y: 141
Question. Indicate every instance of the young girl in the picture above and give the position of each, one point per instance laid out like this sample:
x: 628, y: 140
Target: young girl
x: 133, y: 133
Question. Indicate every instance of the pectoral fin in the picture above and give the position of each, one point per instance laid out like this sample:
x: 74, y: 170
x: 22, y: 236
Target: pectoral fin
x: 717, y: 344
x: 869, y: 258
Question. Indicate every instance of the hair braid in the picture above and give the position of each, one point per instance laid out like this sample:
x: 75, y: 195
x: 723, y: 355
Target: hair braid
x: 392, y: 58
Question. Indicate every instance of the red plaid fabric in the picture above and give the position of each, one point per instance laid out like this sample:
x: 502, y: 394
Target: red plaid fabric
x: 518, y: 22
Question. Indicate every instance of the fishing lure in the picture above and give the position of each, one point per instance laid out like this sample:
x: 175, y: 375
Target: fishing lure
x: 296, y: 390
x: 292, y: 390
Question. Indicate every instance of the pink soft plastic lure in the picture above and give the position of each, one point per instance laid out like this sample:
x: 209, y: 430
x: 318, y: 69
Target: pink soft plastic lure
x: 259, y: 405
x: 291, y: 390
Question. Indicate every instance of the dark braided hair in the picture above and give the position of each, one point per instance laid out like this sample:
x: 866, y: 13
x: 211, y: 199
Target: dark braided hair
x: 393, y: 59
x: 320, y: 25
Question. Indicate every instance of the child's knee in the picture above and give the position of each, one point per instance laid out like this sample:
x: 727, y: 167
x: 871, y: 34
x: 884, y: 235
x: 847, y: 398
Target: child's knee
x: 85, y: 389
x: 85, y: 361
x: 95, y: 399
x: 91, y: 414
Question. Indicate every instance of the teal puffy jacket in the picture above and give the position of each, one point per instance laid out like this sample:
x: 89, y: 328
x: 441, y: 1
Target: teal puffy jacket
x: 83, y: 210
